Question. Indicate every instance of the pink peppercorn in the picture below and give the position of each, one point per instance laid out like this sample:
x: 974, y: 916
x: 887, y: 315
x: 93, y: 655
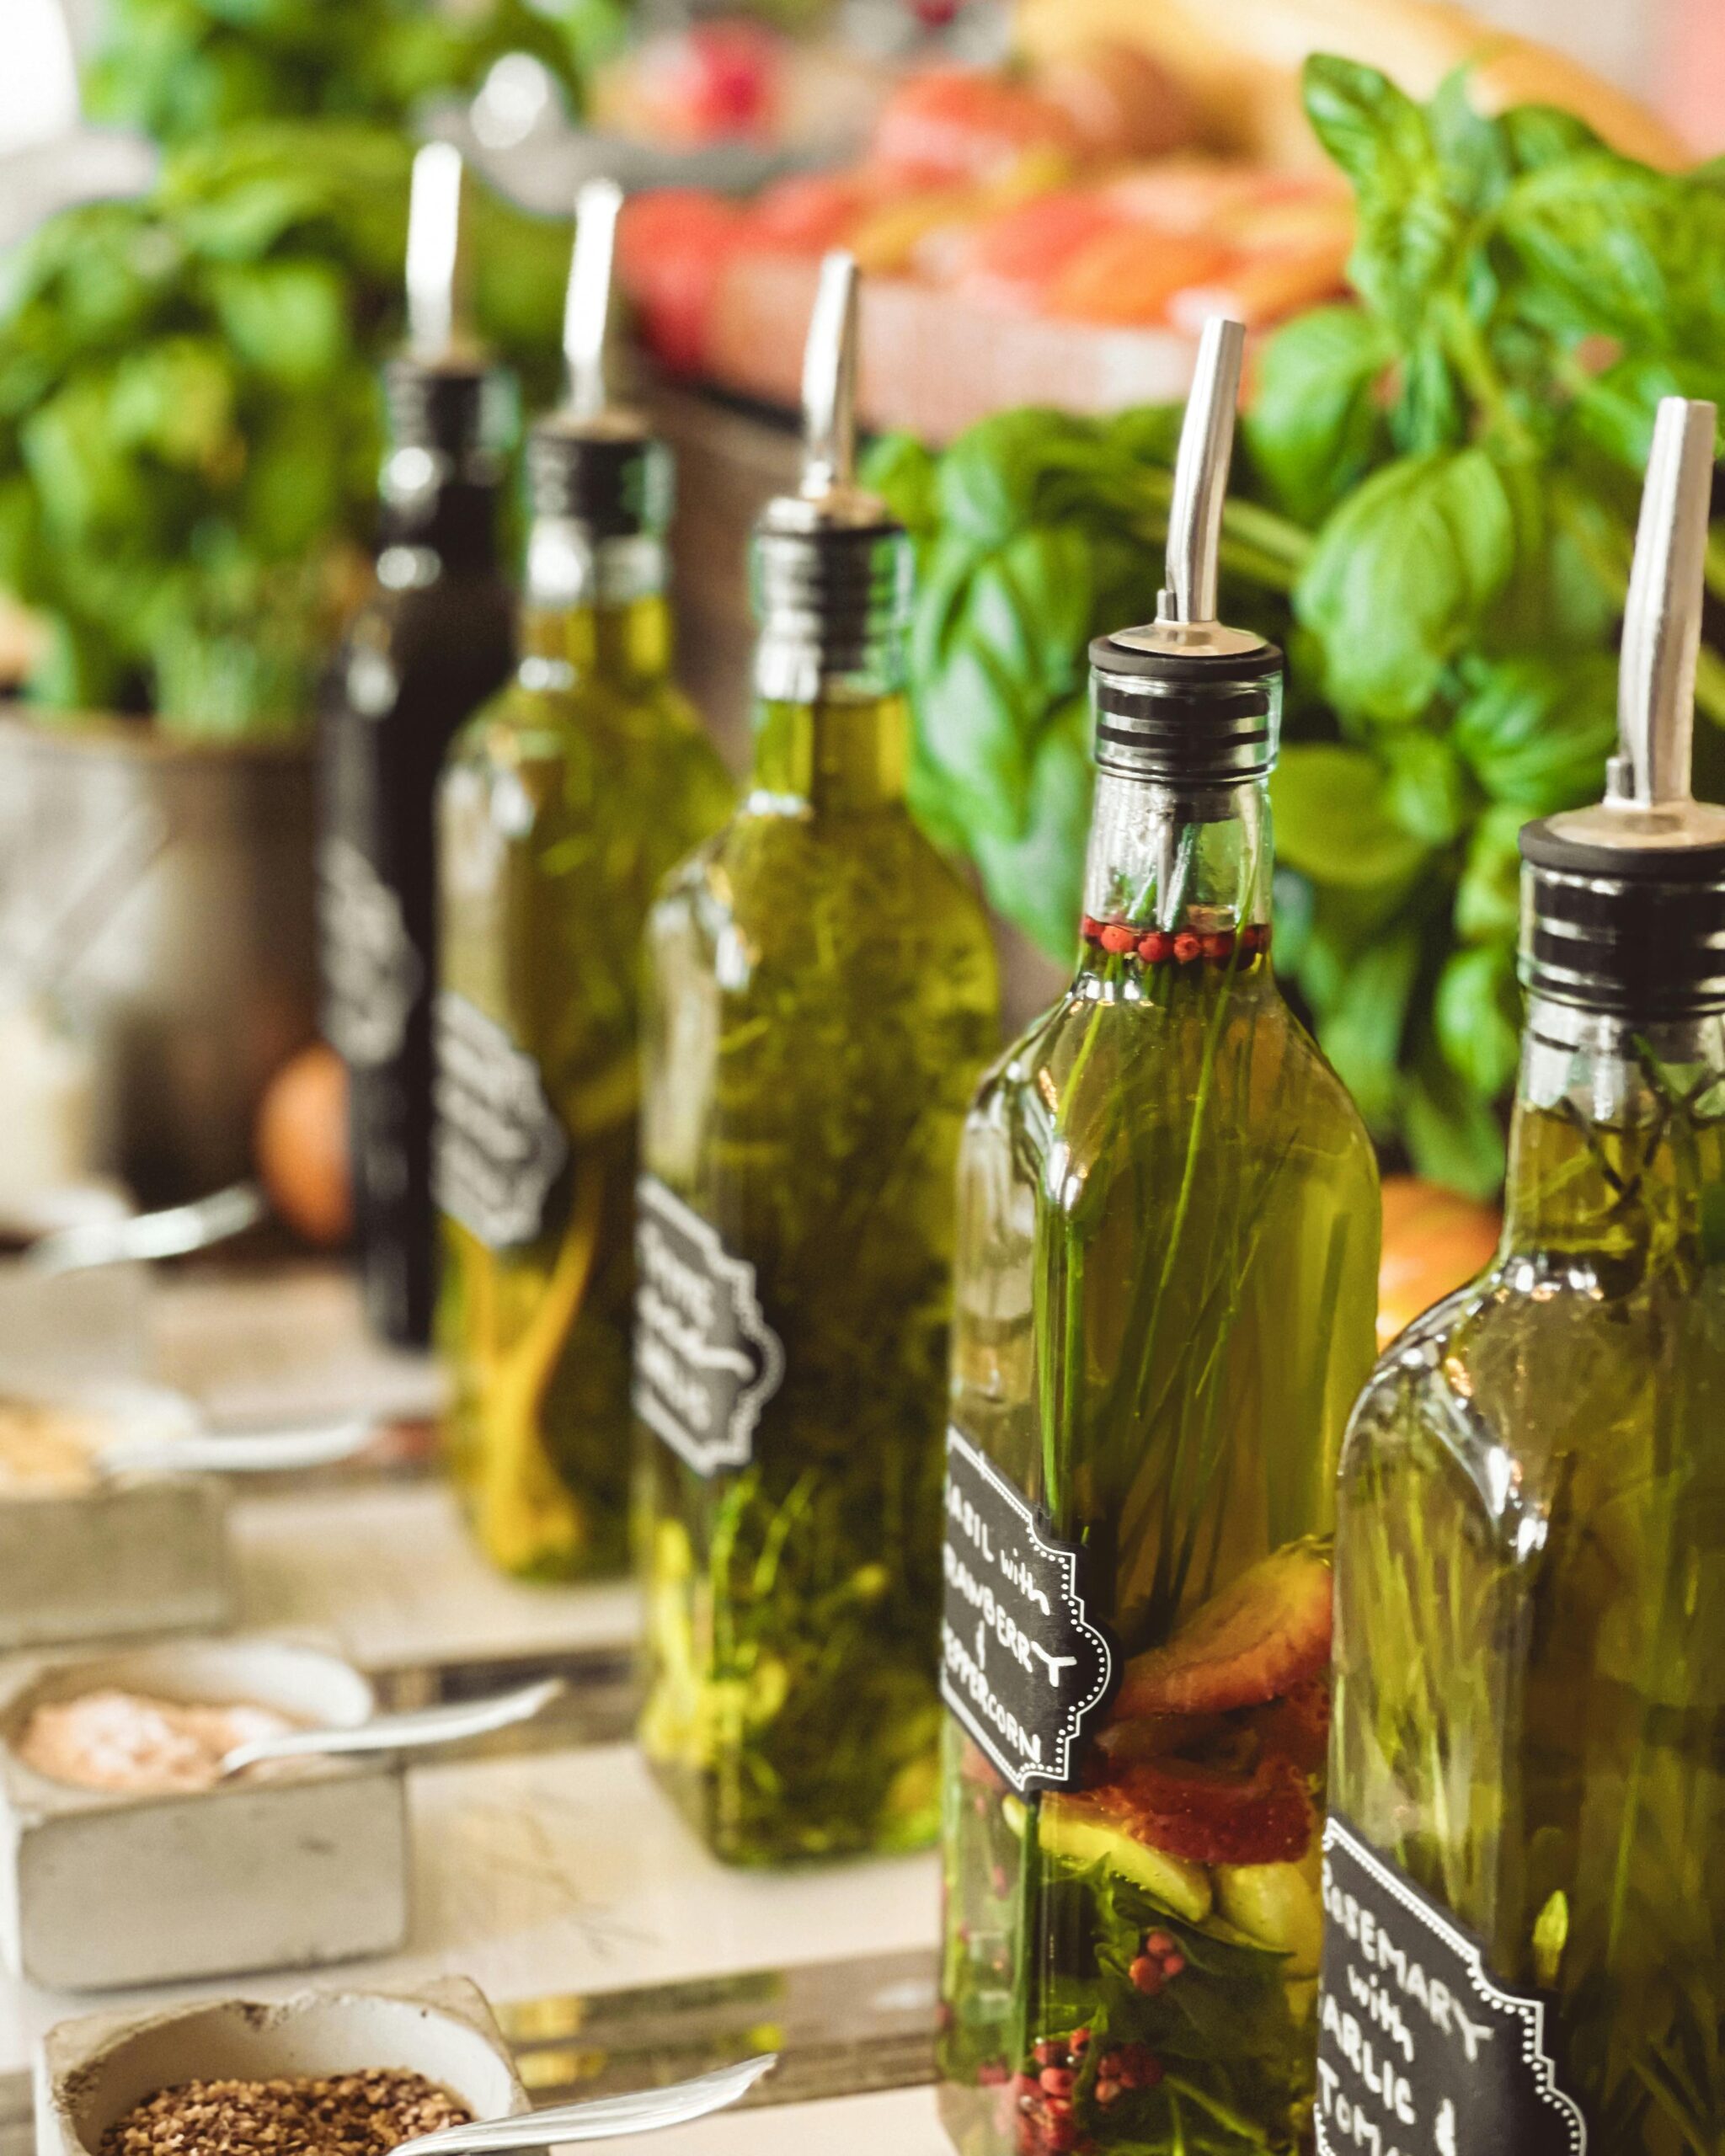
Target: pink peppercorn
x: 1187, y: 946
x: 1057, y: 2080
x: 1117, y: 938
x: 1172, y: 1964
x: 1220, y: 945
x: 1146, y: 1976
x: 1156, y: 948
x: 1091, y: 929
x: 1158, y: 1943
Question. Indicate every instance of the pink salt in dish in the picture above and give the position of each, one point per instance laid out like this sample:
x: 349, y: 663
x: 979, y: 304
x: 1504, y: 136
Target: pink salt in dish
x: 130, y: 1744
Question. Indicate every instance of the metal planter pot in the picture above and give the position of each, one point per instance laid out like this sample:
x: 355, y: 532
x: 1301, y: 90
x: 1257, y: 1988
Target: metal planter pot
x: 197, y: 978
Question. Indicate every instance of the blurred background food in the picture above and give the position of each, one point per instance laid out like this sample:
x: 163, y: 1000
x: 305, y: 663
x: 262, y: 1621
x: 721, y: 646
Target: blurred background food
x: 203, y: 227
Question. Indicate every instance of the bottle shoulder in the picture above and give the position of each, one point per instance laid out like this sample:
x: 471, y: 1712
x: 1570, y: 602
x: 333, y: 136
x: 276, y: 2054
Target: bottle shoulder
x: 1104, y: 1082
x: 1536, y: 1379
x: 803, y: 891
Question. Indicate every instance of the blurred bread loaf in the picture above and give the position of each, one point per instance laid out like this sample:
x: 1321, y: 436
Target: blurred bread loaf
x: 1239, y: 62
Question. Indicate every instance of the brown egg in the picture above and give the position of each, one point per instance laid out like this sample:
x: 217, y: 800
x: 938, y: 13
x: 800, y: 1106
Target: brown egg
x: 1434, y: 1240
x: 302, y: 1145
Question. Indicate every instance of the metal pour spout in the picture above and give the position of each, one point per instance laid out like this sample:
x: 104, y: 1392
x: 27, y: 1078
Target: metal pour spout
x: 1188, y: 596
x: 1662, y: 621
x: 830, y: 382
x: 435, y: 265
x: 586, y: 314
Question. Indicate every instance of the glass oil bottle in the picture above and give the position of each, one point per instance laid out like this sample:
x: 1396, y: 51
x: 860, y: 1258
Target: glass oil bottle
x: 821, y: 1000
x: 564, y: 802
x: 1524, y: 1870
x: 434, y: 641
x: 1164, y: 1309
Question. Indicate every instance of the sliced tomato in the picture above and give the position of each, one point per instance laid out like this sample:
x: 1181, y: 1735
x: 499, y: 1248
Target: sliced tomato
x: 1128, y: 275
x: 672, y: 247
x: 1296, y: 1728
x: 953, y: 123
x: 1264, y: 1633
x: 1206, y: 1815
x: 1014, y: 258
x: 809, y: 212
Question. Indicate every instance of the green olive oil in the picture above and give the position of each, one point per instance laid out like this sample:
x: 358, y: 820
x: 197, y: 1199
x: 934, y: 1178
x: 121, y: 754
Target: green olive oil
x: 1528, y: 1769
x: 564, y: 802
x: 821, y: 998
x: 1164, y: 1307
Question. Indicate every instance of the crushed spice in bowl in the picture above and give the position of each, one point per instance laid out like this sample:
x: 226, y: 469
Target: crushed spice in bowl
x: 336, y: 2115
x: 136, y: 1744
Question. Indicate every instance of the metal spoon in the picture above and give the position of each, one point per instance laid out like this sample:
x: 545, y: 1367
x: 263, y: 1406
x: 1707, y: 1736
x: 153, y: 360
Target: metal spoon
x: 247, y: 1452
x: 424, y: 1726
x: 173, y: 1232
x: 599, y: 2118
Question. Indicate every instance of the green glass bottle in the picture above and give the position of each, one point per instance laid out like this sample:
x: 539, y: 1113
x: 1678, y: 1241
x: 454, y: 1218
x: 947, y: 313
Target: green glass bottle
x: 821, y: 999
x: 1164, y: 1307
x: 1525, y: 1872
x: 563, y: 804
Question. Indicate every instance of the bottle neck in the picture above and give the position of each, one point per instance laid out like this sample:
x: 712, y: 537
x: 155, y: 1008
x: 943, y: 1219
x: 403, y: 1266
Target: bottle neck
x: 842, y: 752
x: 430, y: 509
x: 1176, y: 878
x: 1618, y: 1131
x: 595, y: 609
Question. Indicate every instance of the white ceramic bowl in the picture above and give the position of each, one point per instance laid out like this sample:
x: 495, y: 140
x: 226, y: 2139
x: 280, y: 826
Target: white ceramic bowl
x: 91, y: 2072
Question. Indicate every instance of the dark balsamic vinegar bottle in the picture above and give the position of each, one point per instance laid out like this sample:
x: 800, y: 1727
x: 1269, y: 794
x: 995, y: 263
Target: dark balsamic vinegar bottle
x: 437, y: 638
x: 1524, y: 1866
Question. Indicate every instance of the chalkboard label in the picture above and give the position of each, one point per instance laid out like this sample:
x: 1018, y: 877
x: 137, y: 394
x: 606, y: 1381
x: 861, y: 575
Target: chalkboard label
x: 372, y: 972
x: 1420, y: 2051
x: 707, y: 1362
x: 1023, y: 1666
x: 500, y: 1148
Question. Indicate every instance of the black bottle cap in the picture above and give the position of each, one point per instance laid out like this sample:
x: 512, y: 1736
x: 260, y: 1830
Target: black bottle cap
x: 611, y: 475
x: 1623, y: 906
x: 455, y: 408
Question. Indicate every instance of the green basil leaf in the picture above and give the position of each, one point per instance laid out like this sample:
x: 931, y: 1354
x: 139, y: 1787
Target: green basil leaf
x: 991, y: 476
x: 1473, y: 152
x: 1036, y: 879
x: 286, y: 318
x: 1541, y: 134
x: 1618, y: 249
x: 1452, y: 1132
x: 1411, y: 227
x: 903, y: 473
x: 1316, y: 424
x: 1361, y: 1028
x: 979, y: 724
x: 1488, y: 898
x: 1537, y: 732
x: 176, y: 400
x: 1476, y: 1018
x: 1333, y: 817
x: 1427, y: 792
x: 1402, y: 574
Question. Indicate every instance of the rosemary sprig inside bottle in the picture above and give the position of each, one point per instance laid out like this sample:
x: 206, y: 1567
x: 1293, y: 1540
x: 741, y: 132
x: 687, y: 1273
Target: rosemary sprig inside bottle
x: 821, y: 998
x: 1531, y: 1541
x: 1164, y: 1303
